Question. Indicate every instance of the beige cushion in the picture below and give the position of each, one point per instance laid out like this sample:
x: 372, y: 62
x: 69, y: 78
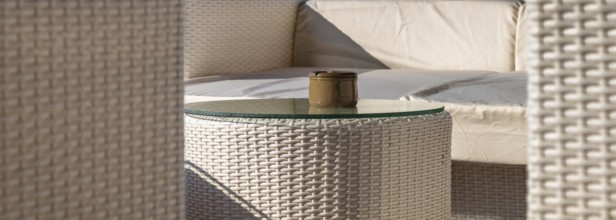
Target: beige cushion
x: 426, y: 34
x: 489, y: 134
x: 522, y: 35
x: 489, y: 115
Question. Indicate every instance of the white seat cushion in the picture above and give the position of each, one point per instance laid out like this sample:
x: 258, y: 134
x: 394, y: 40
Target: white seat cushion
x: 489, y: 112
x: 488, y: 107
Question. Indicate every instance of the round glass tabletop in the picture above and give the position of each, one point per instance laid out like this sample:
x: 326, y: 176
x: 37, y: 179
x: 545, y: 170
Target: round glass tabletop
x: 300, y: 108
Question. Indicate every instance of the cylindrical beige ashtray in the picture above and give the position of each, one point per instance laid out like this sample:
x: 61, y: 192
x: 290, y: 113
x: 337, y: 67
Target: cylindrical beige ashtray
x: 333, y: 89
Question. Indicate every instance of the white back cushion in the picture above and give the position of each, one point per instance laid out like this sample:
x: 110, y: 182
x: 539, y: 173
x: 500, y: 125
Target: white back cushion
x: 424, y: 34
x: 522, y: 34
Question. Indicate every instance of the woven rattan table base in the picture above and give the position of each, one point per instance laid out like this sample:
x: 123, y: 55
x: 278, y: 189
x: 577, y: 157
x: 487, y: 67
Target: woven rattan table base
x: 389, y: 168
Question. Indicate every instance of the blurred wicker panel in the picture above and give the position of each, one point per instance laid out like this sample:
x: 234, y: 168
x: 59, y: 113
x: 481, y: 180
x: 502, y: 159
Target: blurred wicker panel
x: 488, y: 191
x: 237, y: 36
x: 572, y: 159
x: 364, y: 168
x: 90, y: 105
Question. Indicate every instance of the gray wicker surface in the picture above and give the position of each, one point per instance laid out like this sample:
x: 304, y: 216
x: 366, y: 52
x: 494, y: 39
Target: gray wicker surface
x: 572, y: 159
x: 389, y: 168
x: 90, y: 110
x: 238, y: 36
x: 488, y: 191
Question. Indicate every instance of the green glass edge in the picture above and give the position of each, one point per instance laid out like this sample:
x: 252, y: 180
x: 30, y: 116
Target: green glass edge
x: 304, y: 116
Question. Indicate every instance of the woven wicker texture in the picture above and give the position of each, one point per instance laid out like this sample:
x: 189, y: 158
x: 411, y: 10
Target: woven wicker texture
x: 389, y: 168
x: 488, y: 191
x: 90, y: 105
x: 238, y: 36
x: 572, y: 157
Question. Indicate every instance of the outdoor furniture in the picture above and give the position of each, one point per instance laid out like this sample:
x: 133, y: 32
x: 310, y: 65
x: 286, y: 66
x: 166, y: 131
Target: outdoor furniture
x: 92, y: 123
x: 283, y: 159
x: 91, y: 110
x: 426, y: 50
x: 471, y: 61
x: 571, y: 110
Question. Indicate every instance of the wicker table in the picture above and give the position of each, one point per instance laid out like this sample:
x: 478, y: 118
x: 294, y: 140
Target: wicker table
x: 282, y: 159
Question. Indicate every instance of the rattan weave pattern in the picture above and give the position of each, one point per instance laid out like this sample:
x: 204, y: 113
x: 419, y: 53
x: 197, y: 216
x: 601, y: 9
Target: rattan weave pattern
x: 488, y: 191
x: 388, y: 168
x: 90, y: 109
x: 572, y: 155
x: 238, y: 36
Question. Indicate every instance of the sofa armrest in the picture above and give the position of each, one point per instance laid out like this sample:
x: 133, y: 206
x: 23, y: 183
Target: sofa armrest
x: 223, y: 36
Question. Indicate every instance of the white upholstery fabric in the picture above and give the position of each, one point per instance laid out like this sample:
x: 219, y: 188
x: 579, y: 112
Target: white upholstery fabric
x: 461, y: 35
x: 488, y: 107
x: 487, y: 110
x: 521, y: 47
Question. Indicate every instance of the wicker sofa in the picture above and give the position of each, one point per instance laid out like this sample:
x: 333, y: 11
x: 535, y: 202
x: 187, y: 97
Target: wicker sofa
x: 92, y: 119
x: 437, y: 51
